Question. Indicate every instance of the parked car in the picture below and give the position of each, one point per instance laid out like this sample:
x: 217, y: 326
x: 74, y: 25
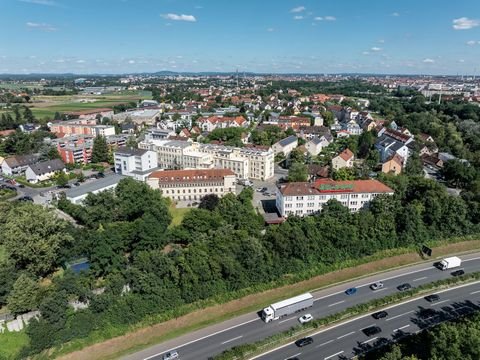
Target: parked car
x: 304, y: 341
x: 432, y: 298
x: 351, y: 291
x: 376, y: 285
x: 404, y: 287
x: 372, y: 330
x: 305, y: 318
x: 458, y: 272
x: 25, y: 198
x: 258, y: 189
x: 21, y: 185
x: 380, y: 315
x: 170, y: 355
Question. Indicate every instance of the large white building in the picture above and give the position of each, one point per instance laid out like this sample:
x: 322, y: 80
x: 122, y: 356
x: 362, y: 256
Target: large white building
x: 255, y: 163
x: 191, y: 185
x: 303, y: 198
x: 137, y: 163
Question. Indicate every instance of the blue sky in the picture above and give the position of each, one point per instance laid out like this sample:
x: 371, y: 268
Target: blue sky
x: 314, y: 36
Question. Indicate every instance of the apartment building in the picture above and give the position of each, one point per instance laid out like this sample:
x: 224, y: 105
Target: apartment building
x: 244, y: 162
x: 191, y: 185
x: 137, y: 163
x: 82, y: 127
x: 304, y: 198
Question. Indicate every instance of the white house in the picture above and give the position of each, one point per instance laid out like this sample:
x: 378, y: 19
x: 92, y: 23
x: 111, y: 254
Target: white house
x: 137, y: 163
x: 43, y: 170
x: 314, y: 146
x: 16, y: 165
x: 285, y: 145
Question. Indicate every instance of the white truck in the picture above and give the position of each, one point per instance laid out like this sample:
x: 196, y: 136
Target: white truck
x: 287, y: 307
x: 449, y: 263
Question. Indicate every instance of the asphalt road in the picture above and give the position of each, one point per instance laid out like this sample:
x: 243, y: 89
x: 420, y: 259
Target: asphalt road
x: 347, y: 340
x: 248, y: 328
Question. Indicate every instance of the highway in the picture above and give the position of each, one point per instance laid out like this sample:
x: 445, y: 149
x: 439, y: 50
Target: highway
x: 248, y: 328
x: 348, y: 339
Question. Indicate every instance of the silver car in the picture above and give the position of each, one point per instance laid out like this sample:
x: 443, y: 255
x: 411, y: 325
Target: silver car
x: 376, y: 285
x: 170, y: 355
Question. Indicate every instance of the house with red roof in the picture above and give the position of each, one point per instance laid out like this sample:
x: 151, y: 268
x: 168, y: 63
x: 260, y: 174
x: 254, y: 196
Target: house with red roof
x: 344, y: 159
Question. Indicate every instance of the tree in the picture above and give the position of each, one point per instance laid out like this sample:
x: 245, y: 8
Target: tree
x: 414, y: 165
x: 28, y: 115
x: 209, y: 202
x: 344, y: 174
x: 297, y: 172
x: 81, y: 176
x: 54, y: 308
x: 100, y: 151
x: 49, y: 152
x: 24, y: 295
x: 33, y: 236
x: 61, y: 179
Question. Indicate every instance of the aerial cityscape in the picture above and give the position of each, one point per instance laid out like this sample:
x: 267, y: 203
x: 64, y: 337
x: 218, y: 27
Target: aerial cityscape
x: 216, y: 180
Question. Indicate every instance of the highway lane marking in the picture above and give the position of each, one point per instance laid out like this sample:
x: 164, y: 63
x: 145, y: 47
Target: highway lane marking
x: 422, y: 278
x: 385, y: 288
x: 401, y: 328
x: 293, y: 356
x: 370, y: 340
x: 440, y: 302
x: 475, y: 292
x: 331, y: 356
x: 350, y: 333
x: 397, y: 316
x: 280, y: 322
x: 337, y: 303
x: 199, y: 339
x: 364, y: 316
x: 325, y: 343
x: 235, y: 338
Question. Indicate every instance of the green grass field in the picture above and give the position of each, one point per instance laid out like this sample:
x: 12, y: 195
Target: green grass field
x: 11, y: 343
x: 177, y: 215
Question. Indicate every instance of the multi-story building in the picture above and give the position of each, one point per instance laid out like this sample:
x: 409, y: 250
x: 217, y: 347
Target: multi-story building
x: 191, y: 185
x: 82, y: 127
x: 244, y: 162
x: 304, y: 198
x: 286, y: 145
x: 137, y: 163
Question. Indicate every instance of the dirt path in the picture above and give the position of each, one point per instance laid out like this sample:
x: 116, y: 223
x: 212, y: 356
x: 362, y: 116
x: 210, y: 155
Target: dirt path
x: 153, y: 334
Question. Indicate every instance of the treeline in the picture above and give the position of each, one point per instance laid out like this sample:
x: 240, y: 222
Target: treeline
x: 21, y: 115
x: 22, y: 143
x: 457, y: 340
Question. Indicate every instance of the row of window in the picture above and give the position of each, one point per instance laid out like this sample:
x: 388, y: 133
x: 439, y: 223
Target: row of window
x: 194, y: 191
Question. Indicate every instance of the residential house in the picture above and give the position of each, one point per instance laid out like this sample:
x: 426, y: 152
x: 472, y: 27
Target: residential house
x: 44, y: 170
x: 393, y: 165
x: 286, y: 145
x: 392, y: 142
x: 314, y: 146
x: 342, y: 160
x: 137, y: 163
x: 16, y: 165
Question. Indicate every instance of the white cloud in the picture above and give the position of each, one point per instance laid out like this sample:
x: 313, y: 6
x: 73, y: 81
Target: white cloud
x: 381, y: 41
x: 270, y: 29
x: 298, y: 9
x: 471, y: 42
x: 80, y: 61
x: 41, y: 26
x: 40, y: 2
x: 395, y: 14
x: 428, y: 61
x: 59, y: 61
x: 318, y: 18
x: 461, y: 61
x: 376, y: 49
x: 366, y: 53
x: 131, y: 61
x: 298, y: 17
x: 330, y: 18
x: 464, y: 23
x: 182, y: 17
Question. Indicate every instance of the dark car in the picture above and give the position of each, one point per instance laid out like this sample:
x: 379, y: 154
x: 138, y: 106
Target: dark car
x: 380, y: 315
x: 351, y: 291
x: 21, y: 185
x: 304, y: 341
x: 293, y: 358
x: 432, y: 298
x: 372, y: 330
x: 25, y: 198
x: 100, y: 175
x: 458, y: 273
x: 404, y: 287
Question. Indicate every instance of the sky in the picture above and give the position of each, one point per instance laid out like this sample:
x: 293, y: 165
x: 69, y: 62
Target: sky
x: 263, y: 36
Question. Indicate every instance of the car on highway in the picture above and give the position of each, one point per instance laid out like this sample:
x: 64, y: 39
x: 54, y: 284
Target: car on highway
x: 304, y: 341
x: 404, y: 287
x: 458, y: 272
x: 372, y: 330
x: 351, y: 291
x: 293, y: 358
x: 376, y: 285
x: 170, y: 355
x: 305, y: 318
x: 432, y: 298
x: 380, y: 315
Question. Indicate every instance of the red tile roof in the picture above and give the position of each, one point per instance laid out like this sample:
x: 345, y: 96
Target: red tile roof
x: 346, y: 154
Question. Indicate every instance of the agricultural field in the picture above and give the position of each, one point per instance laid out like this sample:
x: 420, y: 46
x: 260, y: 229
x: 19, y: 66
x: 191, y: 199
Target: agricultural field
x: 46, y: 106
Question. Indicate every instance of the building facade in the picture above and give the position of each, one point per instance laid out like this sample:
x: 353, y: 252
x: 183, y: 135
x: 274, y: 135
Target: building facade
x: 305, y: 198
x: 193, y: 185
x: 82, y: 127
x: 137, y: 163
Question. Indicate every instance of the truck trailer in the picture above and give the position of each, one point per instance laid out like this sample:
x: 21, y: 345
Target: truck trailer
x: 287, y: 307
x: 449, y: 263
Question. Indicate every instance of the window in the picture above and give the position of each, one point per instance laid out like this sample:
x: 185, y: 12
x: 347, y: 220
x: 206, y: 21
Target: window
x: 354, y: 196
x: 310, y: 204
x: 353, y: 203
x: 344, y: 196
x: 310, y: 197
x: 323, y: 197
x: 300, y: 205
x: 299, y: 197
x: 288, y: 205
